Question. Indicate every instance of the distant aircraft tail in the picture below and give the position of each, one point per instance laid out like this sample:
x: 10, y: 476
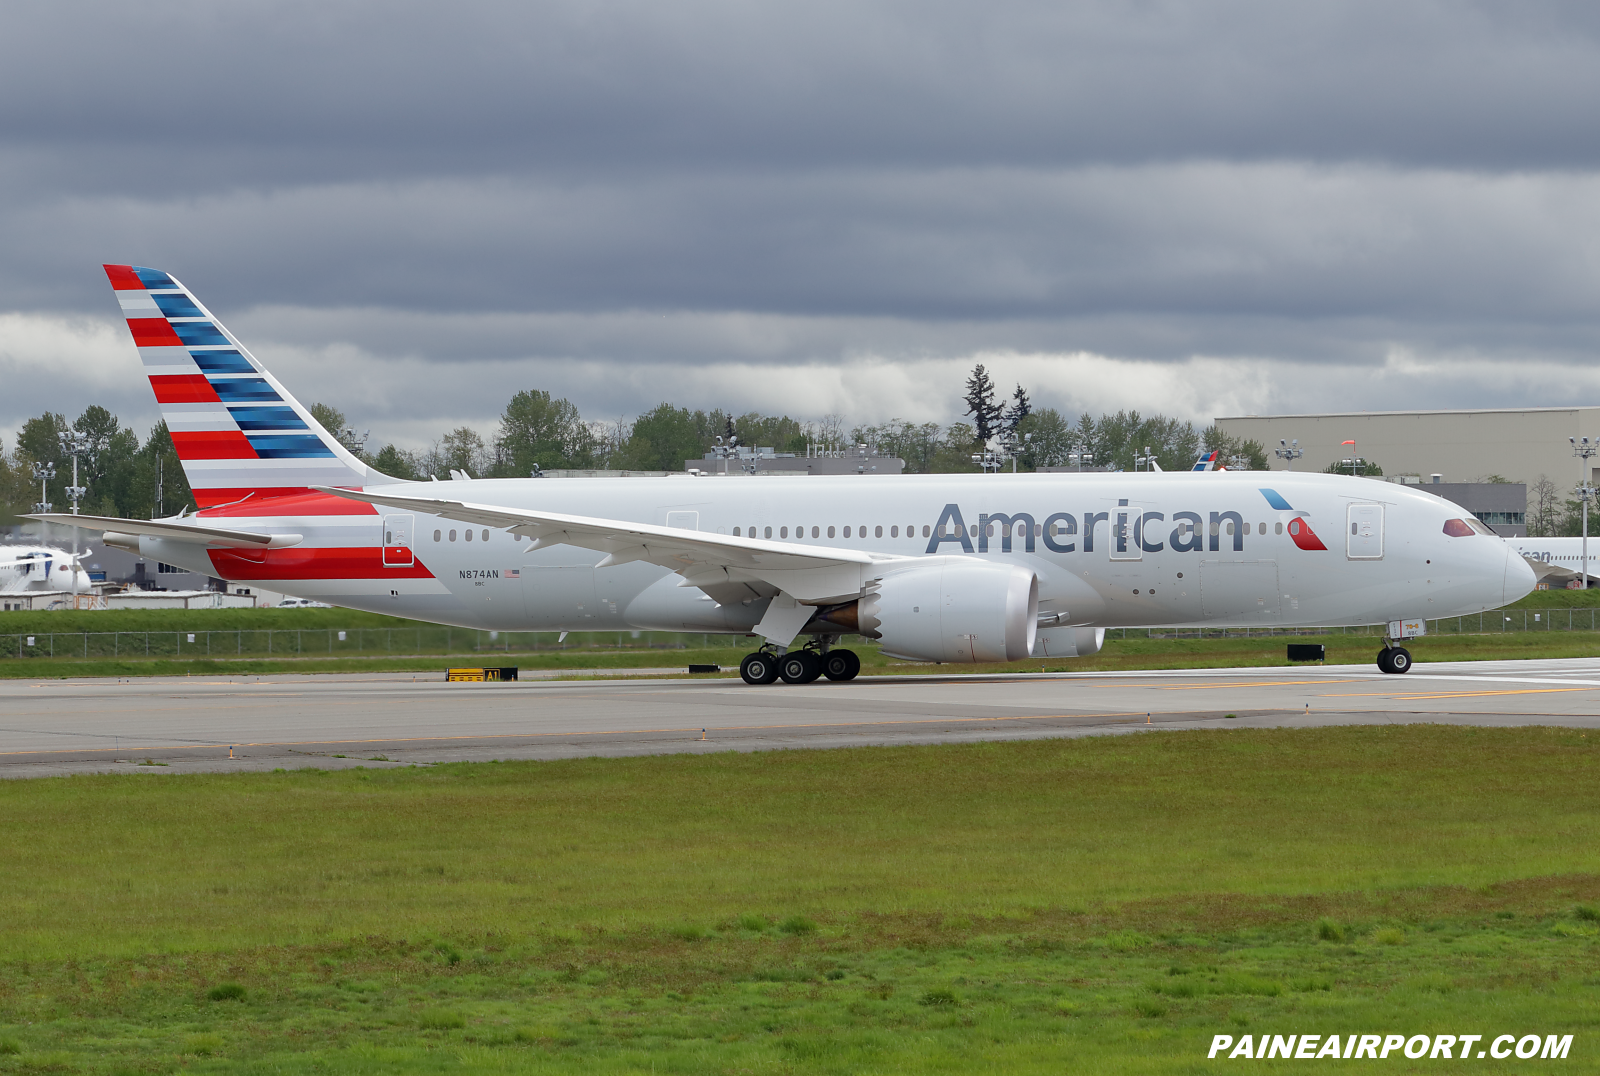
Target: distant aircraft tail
x: 1206, y: 462
x: 239, y: 433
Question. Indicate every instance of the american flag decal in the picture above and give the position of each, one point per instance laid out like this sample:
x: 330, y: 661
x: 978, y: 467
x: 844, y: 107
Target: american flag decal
x: 513, y: 573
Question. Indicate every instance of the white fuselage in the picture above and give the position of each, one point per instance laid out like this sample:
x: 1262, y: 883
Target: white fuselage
x: 1109, y: 550
x: 1562, y: 552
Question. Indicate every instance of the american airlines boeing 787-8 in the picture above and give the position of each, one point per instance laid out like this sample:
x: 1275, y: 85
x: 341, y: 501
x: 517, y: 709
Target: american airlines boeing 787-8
x: 948, y: 568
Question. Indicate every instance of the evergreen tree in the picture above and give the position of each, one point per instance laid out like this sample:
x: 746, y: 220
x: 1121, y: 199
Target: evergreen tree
x: 1020, y: 409
x: 986, y: 413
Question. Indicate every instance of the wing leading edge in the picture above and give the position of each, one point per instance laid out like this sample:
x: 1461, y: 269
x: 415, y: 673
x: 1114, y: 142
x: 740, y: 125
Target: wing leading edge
x: 729, y: 569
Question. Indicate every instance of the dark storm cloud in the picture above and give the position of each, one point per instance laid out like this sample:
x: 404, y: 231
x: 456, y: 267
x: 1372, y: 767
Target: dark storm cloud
x: 283, y: 92
x: 607, y: 198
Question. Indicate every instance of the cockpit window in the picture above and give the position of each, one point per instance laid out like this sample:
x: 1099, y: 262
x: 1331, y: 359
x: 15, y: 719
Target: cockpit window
x: 1481, y: 527
x: 1457, y: 528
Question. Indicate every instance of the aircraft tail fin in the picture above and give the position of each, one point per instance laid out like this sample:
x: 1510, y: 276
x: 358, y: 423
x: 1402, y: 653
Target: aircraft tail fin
x: 238, y: 431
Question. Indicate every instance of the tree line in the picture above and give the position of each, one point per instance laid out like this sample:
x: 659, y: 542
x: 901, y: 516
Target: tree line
x: 129, y: 477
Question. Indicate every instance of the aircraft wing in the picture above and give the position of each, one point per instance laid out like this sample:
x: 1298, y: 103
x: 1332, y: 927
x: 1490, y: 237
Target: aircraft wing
x: 727, y: 568
x: 184, y: 532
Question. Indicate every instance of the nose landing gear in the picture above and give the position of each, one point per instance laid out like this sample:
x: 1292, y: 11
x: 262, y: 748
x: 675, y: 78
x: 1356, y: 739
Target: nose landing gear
x: 1394, y: 659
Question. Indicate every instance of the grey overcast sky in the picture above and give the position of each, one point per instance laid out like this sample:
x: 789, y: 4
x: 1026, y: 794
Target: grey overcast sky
x: 411, y: 211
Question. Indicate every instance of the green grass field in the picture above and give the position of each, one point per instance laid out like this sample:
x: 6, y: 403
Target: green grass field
x: 1098, y: 905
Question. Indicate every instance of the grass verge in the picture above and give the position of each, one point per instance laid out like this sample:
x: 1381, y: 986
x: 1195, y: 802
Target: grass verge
x: 1086, y: 905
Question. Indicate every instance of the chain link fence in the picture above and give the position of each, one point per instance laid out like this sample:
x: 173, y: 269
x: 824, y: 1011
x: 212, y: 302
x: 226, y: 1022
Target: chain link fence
x: 1499, y: 621
x: 425, y: 640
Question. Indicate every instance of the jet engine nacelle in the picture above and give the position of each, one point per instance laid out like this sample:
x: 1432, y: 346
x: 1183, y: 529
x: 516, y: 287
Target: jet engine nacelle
x: 956, y: 609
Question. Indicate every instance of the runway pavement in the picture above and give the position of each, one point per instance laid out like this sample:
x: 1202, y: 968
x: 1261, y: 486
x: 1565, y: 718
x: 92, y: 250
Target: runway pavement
x: 193, y: 723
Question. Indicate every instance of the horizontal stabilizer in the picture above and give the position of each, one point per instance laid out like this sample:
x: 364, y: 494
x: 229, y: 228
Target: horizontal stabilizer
x: 170, y: 529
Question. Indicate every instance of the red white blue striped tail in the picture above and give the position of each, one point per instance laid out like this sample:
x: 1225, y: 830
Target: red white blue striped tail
x: 240, y: 434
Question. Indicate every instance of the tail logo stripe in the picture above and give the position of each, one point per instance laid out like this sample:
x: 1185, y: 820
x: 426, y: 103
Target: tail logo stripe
x: 177, y: 306
x: 182, y: 389
x: 244, y: 390
x: 199, y: 333
x: 266, y: 418
x: 153, y: 332
x: 222, y: 362
x: 212, y: 445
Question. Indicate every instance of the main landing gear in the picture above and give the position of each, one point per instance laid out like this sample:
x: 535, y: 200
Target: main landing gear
x: 799, y: 666
x: 1394, y: 659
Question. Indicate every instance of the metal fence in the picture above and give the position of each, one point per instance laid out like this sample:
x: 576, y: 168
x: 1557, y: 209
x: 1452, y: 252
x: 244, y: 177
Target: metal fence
x: 1499, y: 621
x: 431, y: 640
x: 424, y: 640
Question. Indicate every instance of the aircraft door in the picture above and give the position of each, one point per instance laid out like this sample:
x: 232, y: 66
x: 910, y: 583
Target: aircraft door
x: 689, y: 521
x: 397, y: 535
x: 1364, y: 536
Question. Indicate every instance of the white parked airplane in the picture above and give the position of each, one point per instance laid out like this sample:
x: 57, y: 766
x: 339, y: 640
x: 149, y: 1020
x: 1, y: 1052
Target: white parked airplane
x: 949, y: 568
x: 1562, y: 552
x: 28, y: 567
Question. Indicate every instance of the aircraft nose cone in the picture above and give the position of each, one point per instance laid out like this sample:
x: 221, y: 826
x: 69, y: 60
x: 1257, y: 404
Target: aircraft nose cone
x: 1519, y: 576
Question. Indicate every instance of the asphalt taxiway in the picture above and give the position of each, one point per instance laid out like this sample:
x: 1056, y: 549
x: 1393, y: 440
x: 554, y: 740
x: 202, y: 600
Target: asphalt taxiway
x: 175, y: 725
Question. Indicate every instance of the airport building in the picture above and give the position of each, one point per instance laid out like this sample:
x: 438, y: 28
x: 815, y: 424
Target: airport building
x: 1484, y: 460
x: 1521, y: 445
x: 860, y: 459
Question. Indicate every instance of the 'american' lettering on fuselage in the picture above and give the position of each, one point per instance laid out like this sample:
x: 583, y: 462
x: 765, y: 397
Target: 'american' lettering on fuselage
x: 1128, y: 528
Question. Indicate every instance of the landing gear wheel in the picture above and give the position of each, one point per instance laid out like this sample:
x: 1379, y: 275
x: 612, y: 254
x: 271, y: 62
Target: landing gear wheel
x: 1394, y: 659
x: 759, y: 668
x: 840, y: 665
x: 799, y: 667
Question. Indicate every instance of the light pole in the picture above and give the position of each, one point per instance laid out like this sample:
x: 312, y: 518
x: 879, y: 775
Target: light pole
x: 1288, y: 451
x: 1078, y: 455
x: 1584, y: 449
x: 75, y: 442
x: 1145, y: 460
x: 44, y: 472
x: 356, y: 442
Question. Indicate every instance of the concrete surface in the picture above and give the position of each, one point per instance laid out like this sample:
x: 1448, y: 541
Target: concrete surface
x: 191, y: 723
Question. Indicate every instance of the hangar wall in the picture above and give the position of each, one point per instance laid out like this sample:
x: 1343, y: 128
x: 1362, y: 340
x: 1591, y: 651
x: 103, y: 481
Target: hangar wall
x: 1464, y: 446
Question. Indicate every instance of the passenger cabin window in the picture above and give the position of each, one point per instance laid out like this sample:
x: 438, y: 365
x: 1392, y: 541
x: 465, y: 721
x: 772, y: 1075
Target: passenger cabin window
x: 769, y: 532
x: 925, y: 531
x: 877, y: 532
x: 817, y: 533
x: 468, y: 536
x: 452, y: 536
x: 846, y: 532
x: 894, y: 532
x: 435, y: 536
